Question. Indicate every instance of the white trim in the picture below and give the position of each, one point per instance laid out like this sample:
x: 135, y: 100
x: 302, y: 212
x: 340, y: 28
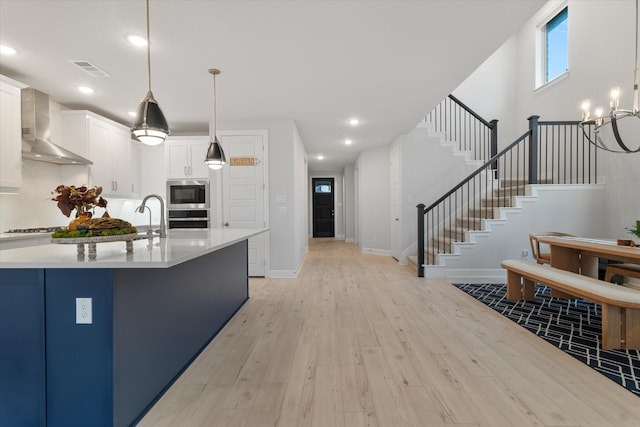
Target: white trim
x: 265, y: 201
x: 477, y: 276
x: 283, y: 274
x: 565, y: 187
x: 289, y: 274
x: 371, y: 251
x: 540, y: 45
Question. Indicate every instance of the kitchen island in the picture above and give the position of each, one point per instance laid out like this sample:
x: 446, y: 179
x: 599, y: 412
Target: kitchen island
x: 151, y: 310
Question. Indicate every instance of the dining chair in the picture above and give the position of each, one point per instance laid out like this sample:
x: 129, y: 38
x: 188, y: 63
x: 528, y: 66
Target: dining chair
x: 538, y: 255
x: 627, y: 270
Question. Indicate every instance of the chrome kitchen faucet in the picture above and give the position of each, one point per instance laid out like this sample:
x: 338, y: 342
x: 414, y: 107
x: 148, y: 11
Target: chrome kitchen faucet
x: 163, y: 227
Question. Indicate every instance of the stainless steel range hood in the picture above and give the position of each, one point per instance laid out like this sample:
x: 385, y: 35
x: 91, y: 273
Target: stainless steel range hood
x: 36, y: 131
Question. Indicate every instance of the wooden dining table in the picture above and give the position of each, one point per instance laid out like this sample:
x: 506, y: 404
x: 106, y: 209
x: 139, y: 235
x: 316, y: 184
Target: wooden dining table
x: 580, y: 254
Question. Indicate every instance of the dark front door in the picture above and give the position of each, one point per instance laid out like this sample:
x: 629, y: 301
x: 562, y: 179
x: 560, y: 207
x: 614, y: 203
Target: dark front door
x: 323, y: 225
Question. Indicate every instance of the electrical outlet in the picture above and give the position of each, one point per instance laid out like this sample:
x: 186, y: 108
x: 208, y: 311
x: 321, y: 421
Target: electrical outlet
x: 84, y: 311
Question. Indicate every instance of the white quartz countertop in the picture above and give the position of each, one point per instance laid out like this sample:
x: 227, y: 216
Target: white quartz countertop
x: 10, y: 237
x: 179, y: 246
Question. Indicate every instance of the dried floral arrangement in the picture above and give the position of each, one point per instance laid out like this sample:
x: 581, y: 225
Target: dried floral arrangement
x: 83, y: 199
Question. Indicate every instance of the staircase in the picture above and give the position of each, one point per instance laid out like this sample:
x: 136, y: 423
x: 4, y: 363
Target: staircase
x: 548, y: 153
x: 472, y: 221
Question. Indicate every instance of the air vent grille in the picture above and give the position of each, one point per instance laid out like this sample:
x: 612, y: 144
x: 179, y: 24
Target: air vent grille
x: 89, y: 68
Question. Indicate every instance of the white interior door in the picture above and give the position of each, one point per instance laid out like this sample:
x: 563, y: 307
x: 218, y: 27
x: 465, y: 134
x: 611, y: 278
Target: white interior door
x: 244, y: 190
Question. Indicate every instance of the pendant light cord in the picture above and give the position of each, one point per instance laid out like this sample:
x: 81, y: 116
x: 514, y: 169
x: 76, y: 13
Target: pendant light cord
x: 149, y: 49
x: 215, y: 110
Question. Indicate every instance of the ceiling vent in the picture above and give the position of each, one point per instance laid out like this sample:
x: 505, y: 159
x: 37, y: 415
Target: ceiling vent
x: 89, y: 68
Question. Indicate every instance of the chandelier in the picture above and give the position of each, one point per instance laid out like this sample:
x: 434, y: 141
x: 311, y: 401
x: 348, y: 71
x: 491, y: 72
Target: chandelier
x: 606, y: 125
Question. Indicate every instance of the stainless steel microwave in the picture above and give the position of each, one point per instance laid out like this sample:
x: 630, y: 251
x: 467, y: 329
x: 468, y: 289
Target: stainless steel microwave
x: 188, y: 194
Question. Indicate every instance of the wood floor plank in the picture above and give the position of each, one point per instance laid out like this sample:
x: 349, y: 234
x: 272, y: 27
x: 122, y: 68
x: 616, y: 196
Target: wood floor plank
x: 358, y: 340
x: 298, y: 399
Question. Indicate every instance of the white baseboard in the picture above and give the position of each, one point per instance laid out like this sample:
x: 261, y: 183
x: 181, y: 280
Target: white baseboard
x: 477, y: 276
x: 376, y: 251
x: 349, y: 240
x: 289, y: 274
x: 283, y: 274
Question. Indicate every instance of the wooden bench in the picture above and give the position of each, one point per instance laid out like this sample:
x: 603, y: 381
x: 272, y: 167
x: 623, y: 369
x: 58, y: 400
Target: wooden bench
x: 620, y: 305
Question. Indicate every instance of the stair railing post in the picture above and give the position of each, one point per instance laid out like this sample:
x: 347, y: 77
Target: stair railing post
x: 420, y: 253
x: 494, y: 143
x: 533, y: 149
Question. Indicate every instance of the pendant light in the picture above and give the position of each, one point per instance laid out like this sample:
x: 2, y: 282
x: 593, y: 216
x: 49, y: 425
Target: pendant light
x: 149, y: 126
x: 215, y: 156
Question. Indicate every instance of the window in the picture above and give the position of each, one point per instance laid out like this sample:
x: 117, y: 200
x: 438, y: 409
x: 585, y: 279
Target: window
x: 323, y: 186
x: 552, y: 46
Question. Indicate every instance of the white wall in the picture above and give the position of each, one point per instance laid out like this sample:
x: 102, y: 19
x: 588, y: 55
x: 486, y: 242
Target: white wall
x: 283, y: 247
x: 601, y: 55
x: 300, y: 173
x: 373, y: 201
x: 349, y: 203
x: 492, y: 88
x: 575, y: 209
x: 429, y: 170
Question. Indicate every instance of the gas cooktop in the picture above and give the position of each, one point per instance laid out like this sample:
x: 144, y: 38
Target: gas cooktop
x: 35, y: 230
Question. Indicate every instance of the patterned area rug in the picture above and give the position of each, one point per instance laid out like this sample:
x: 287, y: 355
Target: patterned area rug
x: 571, y: 325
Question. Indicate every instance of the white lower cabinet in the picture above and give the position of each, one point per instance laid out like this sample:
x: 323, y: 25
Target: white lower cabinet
x: 185, y: 157
x: 109, y: 146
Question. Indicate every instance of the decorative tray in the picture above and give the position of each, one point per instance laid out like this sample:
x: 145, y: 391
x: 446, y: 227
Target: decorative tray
x: 91, y: 241
x: 95, y: 239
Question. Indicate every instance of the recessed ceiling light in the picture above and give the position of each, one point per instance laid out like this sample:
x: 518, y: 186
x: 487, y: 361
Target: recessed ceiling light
x: 86, y: 89
x: 354, y: 122
x: 320, y: 157
x: 348, y: 141
x: 137, y: 40
x: 7, y: 50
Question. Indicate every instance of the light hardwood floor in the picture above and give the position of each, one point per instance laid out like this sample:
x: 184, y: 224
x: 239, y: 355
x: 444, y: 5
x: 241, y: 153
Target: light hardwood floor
x: 358, y: 340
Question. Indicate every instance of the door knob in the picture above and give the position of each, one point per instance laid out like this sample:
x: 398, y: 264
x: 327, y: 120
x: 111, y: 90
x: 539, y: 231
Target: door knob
x: 226, y: 224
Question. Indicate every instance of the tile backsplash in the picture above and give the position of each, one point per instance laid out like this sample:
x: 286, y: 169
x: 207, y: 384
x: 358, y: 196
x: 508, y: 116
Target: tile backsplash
x: 33, y: 207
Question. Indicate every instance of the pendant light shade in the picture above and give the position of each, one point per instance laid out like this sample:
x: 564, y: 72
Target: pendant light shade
x: 149, y: 126
x: 215, y: 155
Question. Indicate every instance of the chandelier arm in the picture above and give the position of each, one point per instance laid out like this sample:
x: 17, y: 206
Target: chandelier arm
x: 597, y: 142
x: 616, y: 134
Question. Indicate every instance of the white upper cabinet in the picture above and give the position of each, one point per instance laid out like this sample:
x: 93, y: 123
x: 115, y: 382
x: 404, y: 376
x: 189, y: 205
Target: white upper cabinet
x: 185, y: 157
x: 10, y: 138
x: 153, y: 177
x: 109, y: 146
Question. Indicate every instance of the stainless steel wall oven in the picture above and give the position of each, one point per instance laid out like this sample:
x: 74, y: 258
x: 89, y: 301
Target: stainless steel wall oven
x: 188, y: 204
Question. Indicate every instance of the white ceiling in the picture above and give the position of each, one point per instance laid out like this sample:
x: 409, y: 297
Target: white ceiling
x: 315, y: 62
